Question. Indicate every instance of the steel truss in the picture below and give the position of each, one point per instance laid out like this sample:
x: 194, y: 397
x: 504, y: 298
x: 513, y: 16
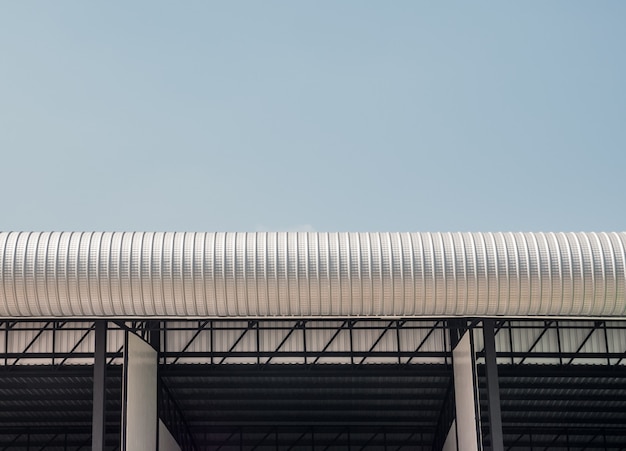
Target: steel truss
x: 320, y: 438
x: 355, y: 342
x: 358, y: 342
x: 349, y: 341
x: 594, y: 351
x: 559, y: 342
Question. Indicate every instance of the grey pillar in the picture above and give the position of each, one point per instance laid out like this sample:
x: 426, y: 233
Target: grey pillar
x: 98, y: 422
x: 464, y: 365
x: 463, y: 434
x: 139, y: 406
x: 493, y: 387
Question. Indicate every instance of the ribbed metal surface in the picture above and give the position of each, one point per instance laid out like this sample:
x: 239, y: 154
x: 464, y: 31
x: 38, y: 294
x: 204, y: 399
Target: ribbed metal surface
x: 312, y: 274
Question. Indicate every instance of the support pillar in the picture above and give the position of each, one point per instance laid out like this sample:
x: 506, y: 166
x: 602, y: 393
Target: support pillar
x: 493, y: 387
x: 98, y: 422
x: 464, y: 434
x: 139, y: 407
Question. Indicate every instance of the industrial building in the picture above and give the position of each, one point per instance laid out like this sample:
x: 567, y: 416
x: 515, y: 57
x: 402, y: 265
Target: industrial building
x: 316, y: 341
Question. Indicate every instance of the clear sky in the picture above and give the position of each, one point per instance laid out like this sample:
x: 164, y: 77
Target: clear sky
x: 325, y: 115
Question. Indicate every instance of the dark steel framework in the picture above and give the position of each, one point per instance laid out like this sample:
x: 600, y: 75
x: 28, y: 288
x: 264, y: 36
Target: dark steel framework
x: 47, y: 399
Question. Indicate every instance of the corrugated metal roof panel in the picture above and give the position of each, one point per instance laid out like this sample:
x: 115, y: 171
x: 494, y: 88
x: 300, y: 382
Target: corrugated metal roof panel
x: 244, y: 275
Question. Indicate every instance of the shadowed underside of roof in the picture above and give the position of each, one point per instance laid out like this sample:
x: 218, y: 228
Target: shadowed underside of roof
x: 312, y: 275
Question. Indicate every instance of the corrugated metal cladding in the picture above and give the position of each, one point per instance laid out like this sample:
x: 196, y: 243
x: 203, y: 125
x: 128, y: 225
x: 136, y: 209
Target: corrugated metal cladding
x: 312, y: 274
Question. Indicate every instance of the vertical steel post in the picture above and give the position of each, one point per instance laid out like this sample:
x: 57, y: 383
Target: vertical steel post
x: 493, y: 387
x: 98, y: 423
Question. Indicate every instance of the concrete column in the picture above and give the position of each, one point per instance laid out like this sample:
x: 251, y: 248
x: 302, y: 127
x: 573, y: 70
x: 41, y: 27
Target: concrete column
x: 464, y: 433
x: 464, y: 365
x: 139, y: 409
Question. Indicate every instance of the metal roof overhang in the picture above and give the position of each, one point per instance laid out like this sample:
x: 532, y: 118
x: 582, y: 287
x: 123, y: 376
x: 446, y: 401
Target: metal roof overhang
x: 311, y: 275
x: 334, y: 407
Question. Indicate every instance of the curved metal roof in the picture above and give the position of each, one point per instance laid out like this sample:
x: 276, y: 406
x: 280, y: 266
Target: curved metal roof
x: 244, y: 275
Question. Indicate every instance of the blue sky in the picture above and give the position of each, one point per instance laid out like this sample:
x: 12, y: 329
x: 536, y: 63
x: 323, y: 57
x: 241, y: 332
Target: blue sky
x: 327, y: 116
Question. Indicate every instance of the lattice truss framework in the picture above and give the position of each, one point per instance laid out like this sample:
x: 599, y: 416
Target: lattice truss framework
x: 592, y: 348
x: 358, y: 342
